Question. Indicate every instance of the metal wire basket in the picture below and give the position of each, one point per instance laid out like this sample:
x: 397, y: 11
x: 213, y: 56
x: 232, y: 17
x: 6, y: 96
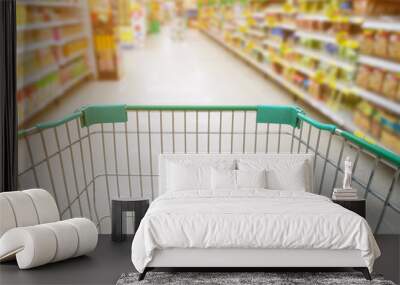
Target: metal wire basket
x: 100, y: 152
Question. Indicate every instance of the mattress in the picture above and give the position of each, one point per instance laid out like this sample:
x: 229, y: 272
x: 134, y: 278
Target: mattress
x: 250, y: 219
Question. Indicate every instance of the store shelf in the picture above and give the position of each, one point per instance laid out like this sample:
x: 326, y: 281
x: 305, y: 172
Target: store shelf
x: 41, y: 97
x: 255, y: 33
x: 37, y: 76
x: 273, y: 44
x: 259, y: 49
x: 35, y: 46
x: 47, y: 43
x: 258, y: 15
x: 58, y: 3
x: 72, y: 57
x: 346, y: 88
x: 323, y: 18
x: 377, y: 99
x: 74, y: 81
x: 286, y: 26
x: 308, y: 71
x: 326, y: 58
x: 277, y: 10
x: 317, y: 36
x: 229, y: 27
x: 64, y: 88
x: 71, y: 38
x: 47, y: 25
x: 380, y: 63
x: 339, y: 118
x: 337, y: 108
x: 381, y: 24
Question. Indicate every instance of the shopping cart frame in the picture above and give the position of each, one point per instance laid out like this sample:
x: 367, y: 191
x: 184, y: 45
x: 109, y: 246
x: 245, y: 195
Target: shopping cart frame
x: 86, y: 147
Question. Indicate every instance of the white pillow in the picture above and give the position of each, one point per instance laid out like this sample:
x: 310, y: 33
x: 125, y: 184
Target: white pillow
x: 251, y: 178
x: 295, y: 178
x: 223, y: 179
x: 284, y: 171
x: 187, y: 177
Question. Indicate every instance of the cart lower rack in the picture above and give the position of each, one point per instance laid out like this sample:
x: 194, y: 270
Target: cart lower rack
x: 103, y: 151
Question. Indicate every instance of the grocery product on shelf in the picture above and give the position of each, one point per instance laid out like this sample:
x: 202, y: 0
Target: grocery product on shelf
x: 51, y: 37
x: 106, y: 47
x: 338, y: 56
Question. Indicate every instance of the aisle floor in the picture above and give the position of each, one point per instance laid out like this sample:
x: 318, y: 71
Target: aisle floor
x: 195, y: 71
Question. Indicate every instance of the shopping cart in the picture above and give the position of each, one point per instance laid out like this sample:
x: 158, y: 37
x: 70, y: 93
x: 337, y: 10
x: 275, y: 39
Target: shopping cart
x: 100, y: 152
x: 178, y: 28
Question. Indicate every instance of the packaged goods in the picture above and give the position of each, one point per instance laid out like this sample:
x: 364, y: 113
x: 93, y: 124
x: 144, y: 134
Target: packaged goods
x: 390, y: 85
x: 363, y: 115
x: 360, y: 7
x: 363, y: 75
x: 375, y: 80
x: 397, y: 97
x: 376, y: 7
x: 367, y: 42
x: 394, y: 46
x: 391, y: 139
x: 315, y: 89
x: 376, y: 126
x: 361, y: 120
x: 381, y: 43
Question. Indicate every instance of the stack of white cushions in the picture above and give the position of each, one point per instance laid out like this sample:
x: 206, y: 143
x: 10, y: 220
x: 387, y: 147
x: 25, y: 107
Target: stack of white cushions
x: 32, y: 233
x: 270, y: 172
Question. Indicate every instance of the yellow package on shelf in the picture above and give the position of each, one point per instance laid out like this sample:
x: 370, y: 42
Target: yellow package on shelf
x: 104, y: 42
x: 126, y: 34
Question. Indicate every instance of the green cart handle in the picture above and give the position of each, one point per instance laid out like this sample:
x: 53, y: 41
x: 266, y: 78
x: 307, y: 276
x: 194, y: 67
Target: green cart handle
x: 289, y: 115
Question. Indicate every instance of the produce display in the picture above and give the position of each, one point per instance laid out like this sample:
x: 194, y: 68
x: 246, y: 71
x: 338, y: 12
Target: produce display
x: 52, y: 53
x: 337, y: 55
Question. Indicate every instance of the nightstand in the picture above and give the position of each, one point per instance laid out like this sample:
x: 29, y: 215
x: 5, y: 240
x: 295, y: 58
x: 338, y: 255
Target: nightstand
x: 119, y: 207
x: 358, y: 206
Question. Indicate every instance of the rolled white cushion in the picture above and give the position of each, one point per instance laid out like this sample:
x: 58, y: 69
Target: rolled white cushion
x: 26, y: 208
x: 32, y: 246
x: 7, y: 216
x: 22, y: 207
x: 45, y: 205
x: 67, y: 240
x: 87, y: 235
x: 37, y: 245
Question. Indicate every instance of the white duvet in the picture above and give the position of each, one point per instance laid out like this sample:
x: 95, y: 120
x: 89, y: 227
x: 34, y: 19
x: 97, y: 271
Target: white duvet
x: 250, y: 219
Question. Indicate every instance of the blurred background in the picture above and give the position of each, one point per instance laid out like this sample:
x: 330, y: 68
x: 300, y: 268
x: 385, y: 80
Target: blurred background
x: 338, y: 59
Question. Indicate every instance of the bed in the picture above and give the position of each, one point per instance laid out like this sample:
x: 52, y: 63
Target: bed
x: 247, y: 211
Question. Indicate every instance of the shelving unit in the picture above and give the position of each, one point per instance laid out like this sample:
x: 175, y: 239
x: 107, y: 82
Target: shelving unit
x: 379, y: 62
x: 54, y: 52
x: 331, y: 114
x: 316, y: 36
x: 316, y: 63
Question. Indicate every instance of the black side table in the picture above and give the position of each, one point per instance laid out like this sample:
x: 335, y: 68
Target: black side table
x: 118, y: 217
x: 358, y: 206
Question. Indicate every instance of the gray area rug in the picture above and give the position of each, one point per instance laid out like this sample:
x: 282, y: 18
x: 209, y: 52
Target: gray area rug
x: 269, y: 278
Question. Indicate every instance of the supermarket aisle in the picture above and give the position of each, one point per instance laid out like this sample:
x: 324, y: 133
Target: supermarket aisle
x: 194, y: 71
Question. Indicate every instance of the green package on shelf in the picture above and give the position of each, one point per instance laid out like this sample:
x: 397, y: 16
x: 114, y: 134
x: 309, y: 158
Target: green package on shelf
x: 154, y: 27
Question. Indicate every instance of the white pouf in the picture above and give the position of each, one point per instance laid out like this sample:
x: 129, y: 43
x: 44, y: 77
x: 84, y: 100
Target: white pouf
x: 31, y: 232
